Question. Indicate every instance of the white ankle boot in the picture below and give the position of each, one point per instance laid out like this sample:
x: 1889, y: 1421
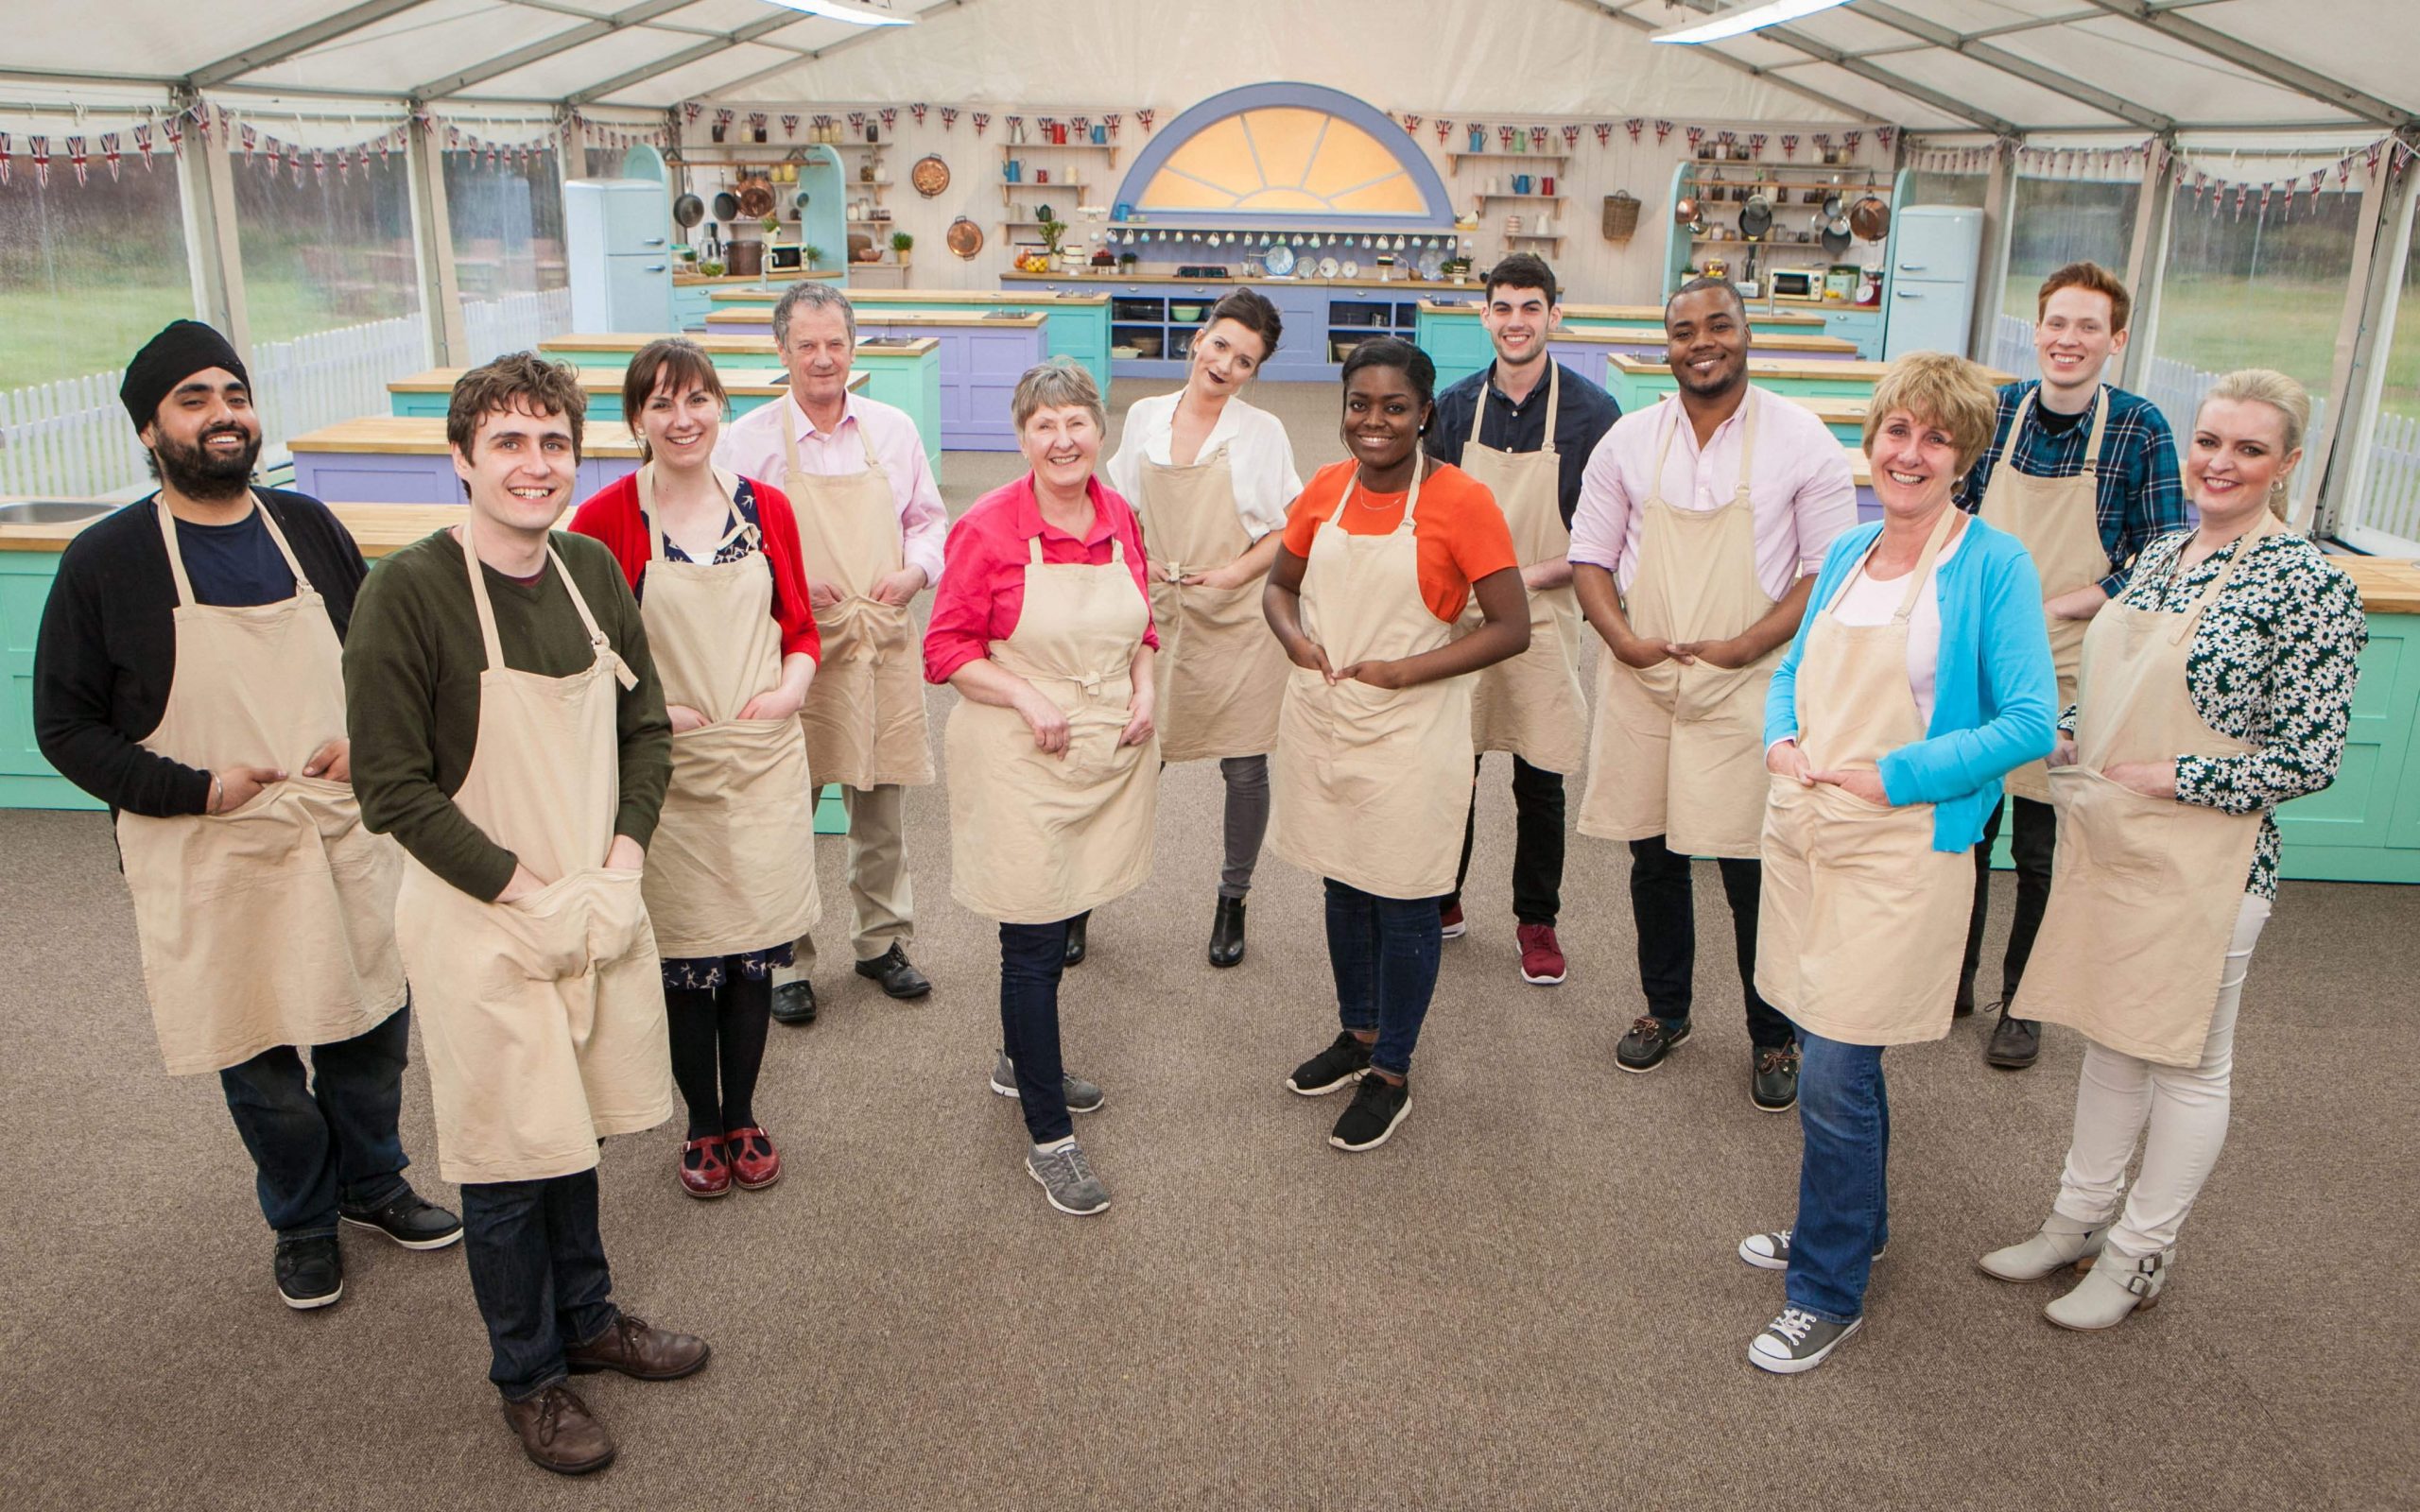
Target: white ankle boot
x: 2113, y: 1290
x: 2060, y: 1242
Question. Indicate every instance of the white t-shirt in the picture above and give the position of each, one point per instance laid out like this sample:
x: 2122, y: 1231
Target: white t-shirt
x: 1260, y: 457
x: 1865, y: 601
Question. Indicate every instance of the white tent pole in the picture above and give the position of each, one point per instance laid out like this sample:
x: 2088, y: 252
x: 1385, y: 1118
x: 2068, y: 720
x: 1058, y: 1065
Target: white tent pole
x: 440, y: 293
x: 2146, y: 262
x: 213, y: 250
x: 2340, y: 451
x: 1999, y: 195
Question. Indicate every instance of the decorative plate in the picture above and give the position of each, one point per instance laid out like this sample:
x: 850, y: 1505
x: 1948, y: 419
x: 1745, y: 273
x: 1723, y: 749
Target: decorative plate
x: 963, y: 237
x: 1350, y: 268
x: 930, y: 176
x: 1327, y: 268
x: 1279, y: 260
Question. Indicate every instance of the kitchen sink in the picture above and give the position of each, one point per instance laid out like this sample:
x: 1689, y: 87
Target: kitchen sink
x: 53, y: 511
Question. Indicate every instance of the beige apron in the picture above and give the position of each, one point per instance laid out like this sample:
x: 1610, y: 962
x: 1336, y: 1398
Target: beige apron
x: 2144, y: 894
x: 1680, y: 750
x: 1532, y: 705
x: 732, y: 867
x: 1861, y: 920
x: 272, y: 924
x: 865, y: 711
x: 1220, y: 673
x: 543, y: 1018
x: 1035, y: 838
x: 1368, y: 782
x: 2058, y: 519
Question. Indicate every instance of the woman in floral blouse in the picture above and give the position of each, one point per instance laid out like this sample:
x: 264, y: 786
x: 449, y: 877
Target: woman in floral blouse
x: 2216, y: 686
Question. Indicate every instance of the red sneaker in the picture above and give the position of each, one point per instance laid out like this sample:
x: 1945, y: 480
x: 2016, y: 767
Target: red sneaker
x: 1541, y: 962
x: 1449, y: 920
x: 705, y: 1167
x: 756, y: 1164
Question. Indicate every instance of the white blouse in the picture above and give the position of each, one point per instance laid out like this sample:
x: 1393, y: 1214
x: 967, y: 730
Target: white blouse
x: 1260, y: 456
x: 1865, y: 601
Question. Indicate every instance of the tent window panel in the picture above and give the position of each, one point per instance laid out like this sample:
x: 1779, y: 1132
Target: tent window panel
x: 508, y: 225
x: 1966, y: 189
x: 2058, y: 221
x: 329, y: 253
x: 2388, y: 510
x: 87, y: 274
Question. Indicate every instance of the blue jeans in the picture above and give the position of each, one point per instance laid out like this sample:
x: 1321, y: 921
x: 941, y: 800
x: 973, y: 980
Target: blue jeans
x: 1844, y: 1199
x: 1384, y: 953
x: 324, y: 1136
x: 1033, y: 957
x: 538, y: 1269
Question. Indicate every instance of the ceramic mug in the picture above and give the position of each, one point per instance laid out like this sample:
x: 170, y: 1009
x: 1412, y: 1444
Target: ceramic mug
x: 1545, y: 184
x: 1042, y: 175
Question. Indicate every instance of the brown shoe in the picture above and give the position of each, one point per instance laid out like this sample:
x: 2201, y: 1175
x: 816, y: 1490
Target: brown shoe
x: 639, y: 1352
x: 559, y: 1433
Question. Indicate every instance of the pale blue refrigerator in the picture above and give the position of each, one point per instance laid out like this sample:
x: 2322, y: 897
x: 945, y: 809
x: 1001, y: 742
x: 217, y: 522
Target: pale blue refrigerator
x: 1936, y: 255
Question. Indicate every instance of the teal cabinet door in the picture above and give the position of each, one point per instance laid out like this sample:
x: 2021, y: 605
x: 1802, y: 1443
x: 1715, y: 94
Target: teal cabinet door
x: 26, y: 781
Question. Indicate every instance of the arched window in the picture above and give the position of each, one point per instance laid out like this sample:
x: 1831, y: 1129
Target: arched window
x: 1271, y: 153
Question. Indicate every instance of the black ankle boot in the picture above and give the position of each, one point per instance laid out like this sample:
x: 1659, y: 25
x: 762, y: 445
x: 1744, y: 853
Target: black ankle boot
x: 1074, y: 955
x: 1227, y: 932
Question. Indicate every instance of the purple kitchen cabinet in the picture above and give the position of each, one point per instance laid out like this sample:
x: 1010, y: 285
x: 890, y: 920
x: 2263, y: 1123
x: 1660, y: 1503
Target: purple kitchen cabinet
x: 415, y: 477
x: 979, y: 369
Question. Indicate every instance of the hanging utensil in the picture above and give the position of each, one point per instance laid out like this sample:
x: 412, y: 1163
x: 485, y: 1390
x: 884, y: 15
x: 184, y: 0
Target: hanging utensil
x: 687, y: 210
x: 1757, y: 217
x: 1869, y: 218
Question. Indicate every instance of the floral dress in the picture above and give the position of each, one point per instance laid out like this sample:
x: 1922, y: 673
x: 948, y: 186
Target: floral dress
x: 2271, y: 663
x: 706, y: 973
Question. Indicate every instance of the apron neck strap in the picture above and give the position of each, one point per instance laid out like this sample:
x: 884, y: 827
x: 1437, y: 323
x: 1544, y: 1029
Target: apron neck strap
x: 789, y: 431
x: 2268, y: 525
x: 176, y: 557
x: 1924, y: 566
x: 1747, y: 445
x: 2100, y: 424
x: 1554, y: 403
x: 1412, y: 499
x: 1117, y: 550
x: 493, y: 645
x: 727, y: 482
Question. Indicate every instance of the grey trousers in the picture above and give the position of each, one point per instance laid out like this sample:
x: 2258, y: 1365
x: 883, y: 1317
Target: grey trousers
x: 1246, y: 779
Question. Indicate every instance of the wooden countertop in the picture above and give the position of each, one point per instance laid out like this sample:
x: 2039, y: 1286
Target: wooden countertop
x: 692, y: 280
x: 424, y: 435
x: 1644, y: 314
x: 723, y: 345
x: 1767, y: 341
x: 1407, y: 288
x: 953, y: 319
x: 770, y: 383
x: 1786, y: 367
x: 378, y: 529
x: 2388, y: 585
x: 861, y: 297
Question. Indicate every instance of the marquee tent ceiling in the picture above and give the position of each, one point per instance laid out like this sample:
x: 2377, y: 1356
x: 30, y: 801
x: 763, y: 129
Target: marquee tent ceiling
x: 2004, y: 66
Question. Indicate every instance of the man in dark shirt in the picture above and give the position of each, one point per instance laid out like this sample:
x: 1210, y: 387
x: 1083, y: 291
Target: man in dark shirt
x: 105, y: 667
x: 1538, y: 711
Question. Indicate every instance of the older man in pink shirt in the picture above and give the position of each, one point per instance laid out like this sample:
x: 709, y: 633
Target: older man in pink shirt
x: 1701, y: 526
x: 871, y: 525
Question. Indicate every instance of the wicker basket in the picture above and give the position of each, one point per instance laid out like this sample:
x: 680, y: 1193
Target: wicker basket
x: 1621, y: 215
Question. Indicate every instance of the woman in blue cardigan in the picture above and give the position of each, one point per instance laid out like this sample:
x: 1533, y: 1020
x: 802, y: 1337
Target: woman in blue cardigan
x: 1922, y: 680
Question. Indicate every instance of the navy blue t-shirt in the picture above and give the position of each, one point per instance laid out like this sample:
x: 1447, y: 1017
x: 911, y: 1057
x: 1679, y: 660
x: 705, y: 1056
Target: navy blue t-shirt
x: 234, y: 566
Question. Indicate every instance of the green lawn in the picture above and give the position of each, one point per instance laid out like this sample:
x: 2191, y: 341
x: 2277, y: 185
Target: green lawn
x: 44, y: 338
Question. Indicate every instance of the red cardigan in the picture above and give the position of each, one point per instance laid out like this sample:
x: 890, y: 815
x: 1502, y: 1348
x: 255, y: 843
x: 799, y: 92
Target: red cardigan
x: 611, y: 515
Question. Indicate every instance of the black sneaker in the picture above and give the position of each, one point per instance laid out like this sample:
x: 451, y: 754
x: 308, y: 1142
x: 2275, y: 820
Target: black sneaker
x: 1379, y: 1105
x: 310, y: 1272
x: 409, y: 1221
x: 1648, y: 1042
x: 1773, y: 1078
x: 1798, y: 1341
x: 1340, y: 1065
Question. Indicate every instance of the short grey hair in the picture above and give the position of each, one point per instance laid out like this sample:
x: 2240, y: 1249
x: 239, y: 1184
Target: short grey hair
x: 814, y: 296
x: 1057, y: 384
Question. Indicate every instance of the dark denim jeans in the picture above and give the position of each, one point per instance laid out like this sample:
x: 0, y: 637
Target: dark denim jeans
x: 1033, y: 957
x: 1663, y: 903
x: 326, y: 1136
x: 1843, y: 1194
x: 1384, y: 953
x: 538, y: 1268
x: 2032, y: 844
x: 1537, y: 843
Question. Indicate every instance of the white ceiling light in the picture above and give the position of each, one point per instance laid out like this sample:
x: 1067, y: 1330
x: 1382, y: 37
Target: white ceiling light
x: 1738, y: 23
x: 833, y: 11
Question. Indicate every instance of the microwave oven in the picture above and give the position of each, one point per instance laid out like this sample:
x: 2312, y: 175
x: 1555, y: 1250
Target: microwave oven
x: 784, y: 258
x: 1799, y: 285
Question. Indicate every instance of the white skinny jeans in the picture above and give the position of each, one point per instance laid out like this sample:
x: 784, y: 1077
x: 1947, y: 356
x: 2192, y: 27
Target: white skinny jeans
x: 2185, y: 1107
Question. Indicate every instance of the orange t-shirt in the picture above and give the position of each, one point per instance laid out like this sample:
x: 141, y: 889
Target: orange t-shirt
x: 1461, y: 533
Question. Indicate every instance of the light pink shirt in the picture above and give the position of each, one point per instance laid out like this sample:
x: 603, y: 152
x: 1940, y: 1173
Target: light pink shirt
x: 752, y: 446
x: 1802, y: 494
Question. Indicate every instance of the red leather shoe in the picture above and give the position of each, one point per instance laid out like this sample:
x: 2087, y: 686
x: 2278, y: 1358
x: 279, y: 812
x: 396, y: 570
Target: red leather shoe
x: 709, y: 1174
x: 756, y: 1164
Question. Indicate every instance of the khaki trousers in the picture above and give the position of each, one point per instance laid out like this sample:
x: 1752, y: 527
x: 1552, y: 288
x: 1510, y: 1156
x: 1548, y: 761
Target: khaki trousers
x: 882, y: 900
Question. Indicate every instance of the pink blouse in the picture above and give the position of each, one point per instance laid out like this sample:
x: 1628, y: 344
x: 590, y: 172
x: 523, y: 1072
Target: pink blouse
x: 982, y: 585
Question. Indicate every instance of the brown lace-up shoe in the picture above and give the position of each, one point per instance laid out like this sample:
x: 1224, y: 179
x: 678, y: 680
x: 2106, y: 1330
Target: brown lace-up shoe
x: 639, y: 1350
x: 559, y: 1433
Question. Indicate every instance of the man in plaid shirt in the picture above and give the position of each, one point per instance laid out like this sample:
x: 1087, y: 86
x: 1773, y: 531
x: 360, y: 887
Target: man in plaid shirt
x: 2031, y: 481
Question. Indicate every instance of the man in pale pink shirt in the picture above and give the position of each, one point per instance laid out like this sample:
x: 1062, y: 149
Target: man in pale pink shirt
x: 1700, y: 525
x: 871, y: 530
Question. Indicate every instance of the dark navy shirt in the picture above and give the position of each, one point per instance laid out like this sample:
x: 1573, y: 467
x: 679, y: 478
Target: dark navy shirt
x: 234, y: 566
x: 1585, y: 413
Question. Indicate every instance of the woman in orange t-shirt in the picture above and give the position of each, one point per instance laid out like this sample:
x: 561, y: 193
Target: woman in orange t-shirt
x: 1371, y: 779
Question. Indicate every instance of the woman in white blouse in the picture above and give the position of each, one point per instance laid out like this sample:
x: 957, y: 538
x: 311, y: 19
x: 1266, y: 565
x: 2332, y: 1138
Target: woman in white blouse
x: 1210, y: 478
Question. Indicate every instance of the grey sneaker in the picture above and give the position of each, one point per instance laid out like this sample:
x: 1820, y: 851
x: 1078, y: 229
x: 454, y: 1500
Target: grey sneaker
x: 1067, y: 1180
x: 1772, y: 1251
x: 1796, y: 1341
x: 1083, y: 1096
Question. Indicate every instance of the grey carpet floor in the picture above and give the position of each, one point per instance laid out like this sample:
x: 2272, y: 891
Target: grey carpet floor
x: 1527, y: 1299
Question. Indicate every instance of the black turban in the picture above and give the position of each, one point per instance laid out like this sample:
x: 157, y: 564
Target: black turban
x: 182, y: 349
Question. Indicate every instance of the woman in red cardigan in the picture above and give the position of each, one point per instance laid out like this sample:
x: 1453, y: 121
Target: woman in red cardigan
x: 730, y: 879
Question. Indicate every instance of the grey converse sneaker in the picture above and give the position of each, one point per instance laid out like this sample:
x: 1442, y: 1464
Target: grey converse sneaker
x: 1067, y: 1179
x: 1797, y: 1340
x: 1772, y: 1251
x: 1083, y: 1096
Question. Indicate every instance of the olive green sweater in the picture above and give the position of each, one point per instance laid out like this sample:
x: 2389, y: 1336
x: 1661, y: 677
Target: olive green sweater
x: 412, y: 660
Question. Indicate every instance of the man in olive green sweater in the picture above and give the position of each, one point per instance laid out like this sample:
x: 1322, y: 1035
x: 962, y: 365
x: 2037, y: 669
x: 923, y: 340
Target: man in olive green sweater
x: 509, y: 730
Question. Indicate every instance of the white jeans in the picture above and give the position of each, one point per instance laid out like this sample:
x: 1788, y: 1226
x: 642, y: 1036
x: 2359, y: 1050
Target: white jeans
x: 2185, y: 1106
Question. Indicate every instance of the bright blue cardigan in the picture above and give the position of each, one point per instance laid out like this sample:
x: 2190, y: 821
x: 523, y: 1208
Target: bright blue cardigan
x: 1994, y: 694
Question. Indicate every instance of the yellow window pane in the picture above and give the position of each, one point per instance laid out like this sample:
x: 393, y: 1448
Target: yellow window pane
x: 1348, y: 158
x: 1171, y: 190
x: 1282, y: 199
x: 1220, y: 153
x: 1285, y: 139
x: 1397, y: 196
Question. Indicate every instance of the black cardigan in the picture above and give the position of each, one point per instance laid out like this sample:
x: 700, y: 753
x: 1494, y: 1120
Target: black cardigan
x: 108, y: 648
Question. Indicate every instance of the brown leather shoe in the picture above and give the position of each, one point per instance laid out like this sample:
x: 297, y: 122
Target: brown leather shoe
x: 559, y: 1433
x: 639, y: 1352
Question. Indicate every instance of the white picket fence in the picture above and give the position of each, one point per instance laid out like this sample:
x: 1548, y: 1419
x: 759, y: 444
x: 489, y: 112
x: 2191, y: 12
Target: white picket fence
x: 71, y: 438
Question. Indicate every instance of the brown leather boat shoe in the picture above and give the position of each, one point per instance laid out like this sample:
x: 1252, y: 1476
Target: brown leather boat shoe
x: 640, y: 1351
x: 557, y: 1432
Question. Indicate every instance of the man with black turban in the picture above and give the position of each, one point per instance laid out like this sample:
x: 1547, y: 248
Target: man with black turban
x: 188, y: 676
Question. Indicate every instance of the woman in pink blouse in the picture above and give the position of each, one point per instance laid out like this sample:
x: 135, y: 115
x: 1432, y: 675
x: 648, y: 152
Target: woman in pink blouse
x: 1042, y: 623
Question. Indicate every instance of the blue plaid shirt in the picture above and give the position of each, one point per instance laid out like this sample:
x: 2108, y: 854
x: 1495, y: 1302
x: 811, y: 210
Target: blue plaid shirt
x: 2141, y: 498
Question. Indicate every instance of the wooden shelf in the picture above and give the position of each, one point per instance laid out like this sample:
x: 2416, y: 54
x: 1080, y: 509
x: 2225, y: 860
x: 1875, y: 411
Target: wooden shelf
x: 1046, y: 188
x: 1509, y: 157
x: 1533, y: 237
x: 1544, y: 200
x: 1010, y: 149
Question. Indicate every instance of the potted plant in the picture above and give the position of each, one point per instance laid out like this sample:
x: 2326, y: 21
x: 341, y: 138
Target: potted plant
x: 1053, y: 231
x: 1127, y: 262
x: 809, y: 259
x: 901, y: 245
